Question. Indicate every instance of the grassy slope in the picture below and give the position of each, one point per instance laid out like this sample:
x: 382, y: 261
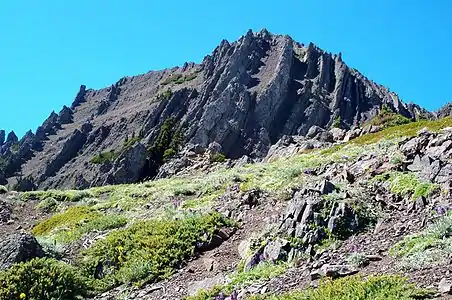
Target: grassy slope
x: 101, y: 210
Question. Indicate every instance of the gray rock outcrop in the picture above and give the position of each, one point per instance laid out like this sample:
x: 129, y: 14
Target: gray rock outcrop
x: 18, y: 247
x: 246, y: 96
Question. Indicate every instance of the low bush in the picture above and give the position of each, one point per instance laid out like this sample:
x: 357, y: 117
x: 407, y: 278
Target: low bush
x: 387, y: 118
x: 147, y: 250
x: 41, y: 279
x: 104, y: 157
x: 47, y: 205
x: 357, y: 288
x: 218, y: 157
x: 179, y: 78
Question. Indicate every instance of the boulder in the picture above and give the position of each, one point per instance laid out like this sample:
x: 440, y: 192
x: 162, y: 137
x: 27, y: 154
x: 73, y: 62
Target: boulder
x: 18, y: 247
x: 325, y: 187
x: 333, y: 271
x: 206, y: 284
x: 445, y: 286
x: 338, y: 134
x: 343, y: 220
x: 274, y: 251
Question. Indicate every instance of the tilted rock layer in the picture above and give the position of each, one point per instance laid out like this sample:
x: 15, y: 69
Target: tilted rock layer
x: 245, y: 96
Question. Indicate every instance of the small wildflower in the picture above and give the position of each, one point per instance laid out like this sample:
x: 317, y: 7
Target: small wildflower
x: 22, y: 296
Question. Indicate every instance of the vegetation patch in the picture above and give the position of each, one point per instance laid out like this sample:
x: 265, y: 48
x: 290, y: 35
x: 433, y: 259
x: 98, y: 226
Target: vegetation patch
x: 261, y: 273
x: 387, y: 118
x: 407, y: 184
x: 58, y: 195
x: 41, y: 279
x: 167, y: 143
x: 405, y: 130
x: 428, y: 248
x: 218, y: 157
x: 105, y: 157
x: 356, y: 288
x: 166, y: 95
x: 75, y: 222
x: 179, y: 78
x: 47, y: 205
x: 148, y: 250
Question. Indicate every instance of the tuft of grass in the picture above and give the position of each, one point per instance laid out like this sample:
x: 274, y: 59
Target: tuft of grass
x: 430, y: 247
x: 408, y: 184
x: 357, y: 288
x: 147, y: 250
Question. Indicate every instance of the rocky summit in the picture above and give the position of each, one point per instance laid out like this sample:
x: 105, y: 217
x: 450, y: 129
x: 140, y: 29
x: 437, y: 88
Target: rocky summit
x: 244, y: 97
x: 271, y: 170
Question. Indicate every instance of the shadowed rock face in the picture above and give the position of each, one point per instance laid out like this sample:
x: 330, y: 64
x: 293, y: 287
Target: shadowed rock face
x: 245, y: 96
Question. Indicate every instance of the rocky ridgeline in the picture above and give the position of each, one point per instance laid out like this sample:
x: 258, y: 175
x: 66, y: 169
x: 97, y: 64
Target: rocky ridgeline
x: 245, y: 97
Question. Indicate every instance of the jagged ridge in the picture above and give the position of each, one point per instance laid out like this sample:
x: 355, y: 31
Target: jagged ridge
x: 244, y: 96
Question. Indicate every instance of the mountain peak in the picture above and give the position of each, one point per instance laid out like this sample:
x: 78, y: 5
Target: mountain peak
x: 244, y: 97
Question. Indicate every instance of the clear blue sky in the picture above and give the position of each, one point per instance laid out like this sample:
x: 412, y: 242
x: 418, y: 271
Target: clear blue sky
x: 48, y: 48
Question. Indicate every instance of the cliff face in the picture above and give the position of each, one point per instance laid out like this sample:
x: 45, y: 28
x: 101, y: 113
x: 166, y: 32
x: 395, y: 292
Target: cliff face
x: 244, y: 96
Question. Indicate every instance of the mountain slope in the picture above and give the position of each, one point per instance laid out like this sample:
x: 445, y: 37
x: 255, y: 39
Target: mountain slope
x: 244, y: 96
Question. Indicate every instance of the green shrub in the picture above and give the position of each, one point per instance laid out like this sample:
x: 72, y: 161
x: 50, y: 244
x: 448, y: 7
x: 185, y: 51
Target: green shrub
x: 15, y: 147
x: 357, y: 288
x: 387, y: 118
x: 104, y: 157
x: 168, y: 142
x: 357, y: 259
x: 147, y: 250
x: 166, y: 95
x: 172, y: 78
x: 218, y: 157
x: 337, y: 122
x: 3, y: 189
x: 41, y: 279
x: 47, y: 205
x: 179, y: 78
x: 168, y: 154
x: 128, y: 143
